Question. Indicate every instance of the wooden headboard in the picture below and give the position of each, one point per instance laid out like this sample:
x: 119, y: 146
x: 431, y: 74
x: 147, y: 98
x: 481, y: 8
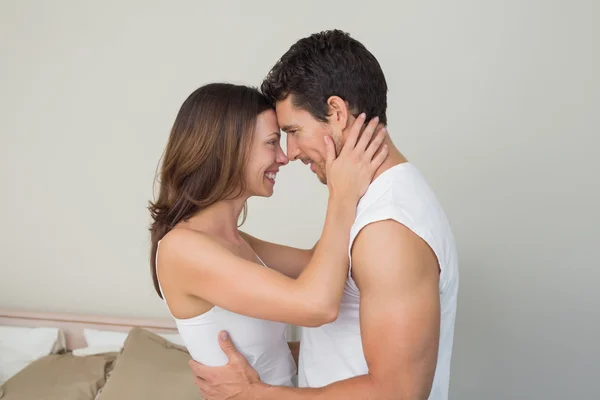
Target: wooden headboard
x: 73, y: 324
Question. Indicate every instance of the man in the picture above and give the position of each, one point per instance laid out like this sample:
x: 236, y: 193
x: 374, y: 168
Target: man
x: 394, y: 332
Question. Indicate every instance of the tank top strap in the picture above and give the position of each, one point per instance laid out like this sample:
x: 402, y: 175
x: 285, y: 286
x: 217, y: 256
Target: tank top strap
x: 256, y: 255
x: 156, y: 272
x: 259, y: 259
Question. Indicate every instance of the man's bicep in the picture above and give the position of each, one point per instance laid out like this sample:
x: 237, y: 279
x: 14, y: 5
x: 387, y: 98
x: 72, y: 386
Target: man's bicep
x: 397, y: 274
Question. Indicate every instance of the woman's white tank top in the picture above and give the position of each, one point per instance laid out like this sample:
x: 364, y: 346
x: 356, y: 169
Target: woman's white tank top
x: 262, y: 342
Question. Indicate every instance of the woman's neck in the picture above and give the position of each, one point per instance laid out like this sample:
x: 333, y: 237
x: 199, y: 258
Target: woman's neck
x: 220, y: 218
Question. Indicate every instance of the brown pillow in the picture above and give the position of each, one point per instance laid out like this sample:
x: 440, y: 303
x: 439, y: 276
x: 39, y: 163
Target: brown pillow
x: 150, y: 367
x: 59, y: 377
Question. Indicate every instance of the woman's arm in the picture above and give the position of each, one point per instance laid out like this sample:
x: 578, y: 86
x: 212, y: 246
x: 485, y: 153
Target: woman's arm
x: 202, y: 267
x: 285, y: 259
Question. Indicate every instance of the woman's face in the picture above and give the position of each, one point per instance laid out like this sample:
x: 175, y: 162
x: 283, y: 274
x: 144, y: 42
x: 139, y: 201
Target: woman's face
x: 265, y: 156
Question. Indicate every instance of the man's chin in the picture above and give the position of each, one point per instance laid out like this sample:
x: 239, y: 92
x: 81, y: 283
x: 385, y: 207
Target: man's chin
x: 322, y: 179
x: 318, y: 172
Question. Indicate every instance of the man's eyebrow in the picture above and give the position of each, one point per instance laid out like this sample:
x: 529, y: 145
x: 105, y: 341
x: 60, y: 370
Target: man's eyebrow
x: 289, y: 128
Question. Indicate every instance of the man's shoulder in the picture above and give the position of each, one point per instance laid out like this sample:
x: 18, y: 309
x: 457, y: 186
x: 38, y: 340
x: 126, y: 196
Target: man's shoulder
x: 384, y: 207
x: 386, y: 232
x: 399, y: 189
x: 388, y: 249
x: 402, y: 194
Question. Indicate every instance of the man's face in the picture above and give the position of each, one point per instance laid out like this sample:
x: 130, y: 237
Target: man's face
x: 306, y: 136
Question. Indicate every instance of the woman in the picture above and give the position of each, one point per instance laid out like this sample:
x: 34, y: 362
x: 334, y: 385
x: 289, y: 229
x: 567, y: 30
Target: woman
x: 223, y: 149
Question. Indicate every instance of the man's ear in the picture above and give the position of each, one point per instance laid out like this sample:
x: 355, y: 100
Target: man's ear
x: 339, y: 113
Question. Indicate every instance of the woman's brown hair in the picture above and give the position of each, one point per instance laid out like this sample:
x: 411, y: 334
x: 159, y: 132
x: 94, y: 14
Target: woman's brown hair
x: 205, y: 156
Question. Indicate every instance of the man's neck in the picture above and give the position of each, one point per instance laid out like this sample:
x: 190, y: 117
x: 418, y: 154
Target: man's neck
x: 394, y: 158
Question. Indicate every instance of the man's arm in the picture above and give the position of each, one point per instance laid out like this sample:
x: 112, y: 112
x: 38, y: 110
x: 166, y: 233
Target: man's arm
x: 397, y: 274
x: 398, y: 277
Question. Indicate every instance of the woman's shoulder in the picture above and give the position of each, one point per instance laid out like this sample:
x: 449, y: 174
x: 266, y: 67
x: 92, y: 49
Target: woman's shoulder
x: 187, y: 242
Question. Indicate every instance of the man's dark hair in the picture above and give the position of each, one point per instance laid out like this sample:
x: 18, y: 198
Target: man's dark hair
x: 325, y: 64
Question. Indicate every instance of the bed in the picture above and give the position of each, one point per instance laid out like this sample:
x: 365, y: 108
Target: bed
x: 88, y: 357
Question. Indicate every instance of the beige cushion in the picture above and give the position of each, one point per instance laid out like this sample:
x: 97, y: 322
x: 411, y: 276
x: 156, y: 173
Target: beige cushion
x: 150, y: 367
x: 59, y: 377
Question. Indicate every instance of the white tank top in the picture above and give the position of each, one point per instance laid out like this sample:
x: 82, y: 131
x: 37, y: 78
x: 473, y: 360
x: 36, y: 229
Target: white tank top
x: 262, y: 342
x: 334, y: 352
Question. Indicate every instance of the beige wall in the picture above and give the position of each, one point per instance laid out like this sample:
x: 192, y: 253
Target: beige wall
x: 496, y: 102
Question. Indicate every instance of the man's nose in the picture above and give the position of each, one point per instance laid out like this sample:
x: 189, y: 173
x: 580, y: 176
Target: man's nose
x: 292, y: 149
